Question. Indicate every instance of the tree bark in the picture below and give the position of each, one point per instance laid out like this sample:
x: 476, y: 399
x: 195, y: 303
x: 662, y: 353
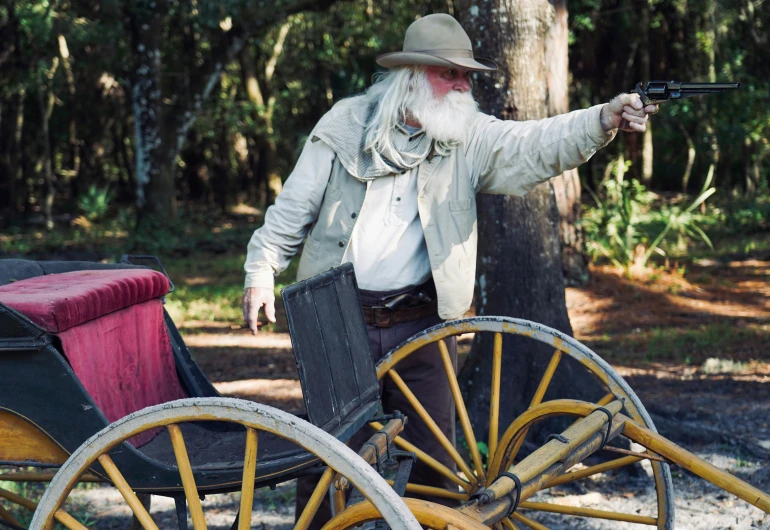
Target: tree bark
x: 645, y: 72
x: 155, y: 192
x: 566, y: 187
x: 66, y: 61
x: 519, y: 250
x: 690, y: 156
x: 46, y: 100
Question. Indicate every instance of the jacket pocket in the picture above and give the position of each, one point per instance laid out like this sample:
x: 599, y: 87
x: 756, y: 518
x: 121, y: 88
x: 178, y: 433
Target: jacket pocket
x: 461, y: 205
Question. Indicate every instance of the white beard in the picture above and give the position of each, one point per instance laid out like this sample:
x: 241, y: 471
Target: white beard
x: 445, y: 120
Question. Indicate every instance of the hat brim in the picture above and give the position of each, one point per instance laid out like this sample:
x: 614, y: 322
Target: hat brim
x: 393, y: 59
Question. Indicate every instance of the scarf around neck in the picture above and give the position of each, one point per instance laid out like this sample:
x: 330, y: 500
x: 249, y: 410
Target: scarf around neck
x: 343, y: 129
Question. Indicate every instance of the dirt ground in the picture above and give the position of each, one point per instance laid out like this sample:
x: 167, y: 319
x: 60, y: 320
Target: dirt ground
x: 694, y: 346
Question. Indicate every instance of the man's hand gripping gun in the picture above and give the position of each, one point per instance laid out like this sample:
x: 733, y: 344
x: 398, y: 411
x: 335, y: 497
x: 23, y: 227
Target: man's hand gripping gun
x: 655, y: 92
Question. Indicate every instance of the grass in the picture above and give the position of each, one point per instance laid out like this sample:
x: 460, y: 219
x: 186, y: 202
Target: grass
x: 34, y: 491
x: 203, y: 254
x: 689, y: 346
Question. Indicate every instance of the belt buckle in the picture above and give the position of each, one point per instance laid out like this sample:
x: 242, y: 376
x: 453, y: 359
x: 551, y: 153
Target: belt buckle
x: 379, y: 310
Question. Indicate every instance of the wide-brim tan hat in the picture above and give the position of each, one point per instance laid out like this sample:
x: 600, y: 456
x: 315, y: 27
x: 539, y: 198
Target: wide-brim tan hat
x: 436, y: 40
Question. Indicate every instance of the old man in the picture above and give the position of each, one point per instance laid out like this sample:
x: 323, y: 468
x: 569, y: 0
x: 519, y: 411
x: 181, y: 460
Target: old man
x: 387, y: 180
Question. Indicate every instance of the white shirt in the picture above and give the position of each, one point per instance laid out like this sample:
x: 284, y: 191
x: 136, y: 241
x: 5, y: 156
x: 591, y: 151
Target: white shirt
x: 387, y: 247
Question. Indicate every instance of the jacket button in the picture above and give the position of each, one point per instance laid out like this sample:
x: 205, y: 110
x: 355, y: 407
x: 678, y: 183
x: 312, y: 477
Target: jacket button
x: 354, y: 215
x: 342, y: 244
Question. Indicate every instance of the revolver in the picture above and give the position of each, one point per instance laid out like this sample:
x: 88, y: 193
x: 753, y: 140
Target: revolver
x: 654, y: 92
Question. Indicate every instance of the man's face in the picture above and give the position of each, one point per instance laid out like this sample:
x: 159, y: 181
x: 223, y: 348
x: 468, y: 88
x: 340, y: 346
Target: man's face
x: 444, y: 79
x: 441, y: 103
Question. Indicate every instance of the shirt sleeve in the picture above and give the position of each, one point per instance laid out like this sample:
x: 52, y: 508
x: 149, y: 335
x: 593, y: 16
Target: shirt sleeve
x: 512, y: 157
x: 288, y: 220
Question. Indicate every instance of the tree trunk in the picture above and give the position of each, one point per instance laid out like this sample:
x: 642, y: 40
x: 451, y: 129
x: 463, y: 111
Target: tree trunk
x: 46, y: 100
x: 519, y: 249
x: 155, y: 192
x: 644, y: 71
x: 16, y: 169
x: 161, y: 130
x: 690, y: 156
x: 566, y: 187
x: 66, y: 60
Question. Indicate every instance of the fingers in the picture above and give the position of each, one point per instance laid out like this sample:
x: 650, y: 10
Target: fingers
x: 270, y: 310
x: 631, y: 113
x: 652, y: 109
x: 631, y: 100
x: 253, y: 300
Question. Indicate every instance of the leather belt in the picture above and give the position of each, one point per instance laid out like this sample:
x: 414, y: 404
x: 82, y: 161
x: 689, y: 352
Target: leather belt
x: 382, y: 317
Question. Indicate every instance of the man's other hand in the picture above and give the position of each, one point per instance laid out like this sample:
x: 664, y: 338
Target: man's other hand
x: 253, y: 300
x: 627, y: 113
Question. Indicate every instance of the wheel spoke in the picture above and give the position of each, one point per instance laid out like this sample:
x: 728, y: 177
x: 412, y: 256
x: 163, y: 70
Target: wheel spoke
x: 420, y: 489
x: 508, y: 525
x: 465, y: 421
x: 589, y: 512
x: 528, y: 522
x: 311, y: 508
x: 188, y: 480
x: 428, y: 460
x: 68, y: 521
x: 542, y: 387
x: 60, y: 515
x: 8, y: 516
x: 593, y: 470
x: 140, y: 512
x: 338, y: 500
x: 249, y: 475
x: 440, y: 436
x: 546, y: 379
x: 494, y: 399
x: 606, y: 399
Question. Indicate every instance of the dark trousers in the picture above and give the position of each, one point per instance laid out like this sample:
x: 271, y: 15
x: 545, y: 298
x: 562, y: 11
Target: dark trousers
x: 424, y: 373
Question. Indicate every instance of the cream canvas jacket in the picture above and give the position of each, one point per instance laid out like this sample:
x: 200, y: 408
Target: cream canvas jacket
x: 501, y: 157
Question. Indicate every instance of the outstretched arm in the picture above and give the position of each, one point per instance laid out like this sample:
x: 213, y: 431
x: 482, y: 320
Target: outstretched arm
x: 512, y: 157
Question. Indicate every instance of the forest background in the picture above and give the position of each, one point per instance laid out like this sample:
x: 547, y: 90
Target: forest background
x: 167, y: 127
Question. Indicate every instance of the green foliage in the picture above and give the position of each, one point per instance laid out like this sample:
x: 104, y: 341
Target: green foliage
x: 689, y: 345
x: 95, y: 204
x: 625, y: 229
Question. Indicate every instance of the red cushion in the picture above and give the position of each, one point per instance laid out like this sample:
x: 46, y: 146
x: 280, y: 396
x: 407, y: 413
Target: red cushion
x: 57, y: 302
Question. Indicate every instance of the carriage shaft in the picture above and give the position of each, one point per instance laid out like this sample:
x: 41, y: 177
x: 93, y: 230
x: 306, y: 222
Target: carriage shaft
x: 584, y: 437
x: 669, y: 450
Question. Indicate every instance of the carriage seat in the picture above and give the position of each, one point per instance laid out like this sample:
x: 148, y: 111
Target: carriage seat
x: 57, y: 302
x: 111, y: 327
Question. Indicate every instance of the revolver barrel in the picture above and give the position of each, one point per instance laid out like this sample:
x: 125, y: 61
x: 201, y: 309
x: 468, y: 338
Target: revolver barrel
x: 658, y: 91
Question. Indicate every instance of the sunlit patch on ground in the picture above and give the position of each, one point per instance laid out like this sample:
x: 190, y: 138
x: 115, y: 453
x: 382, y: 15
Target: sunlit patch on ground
x: 285, y: 394
x: 245, y: 209
x: 104, y: 508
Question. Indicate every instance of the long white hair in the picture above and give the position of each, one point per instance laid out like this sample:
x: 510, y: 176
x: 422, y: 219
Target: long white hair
x: 406, y: 91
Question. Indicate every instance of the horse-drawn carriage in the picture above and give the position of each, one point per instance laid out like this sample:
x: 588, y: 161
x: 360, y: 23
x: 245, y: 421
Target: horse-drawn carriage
x: 96, y: 381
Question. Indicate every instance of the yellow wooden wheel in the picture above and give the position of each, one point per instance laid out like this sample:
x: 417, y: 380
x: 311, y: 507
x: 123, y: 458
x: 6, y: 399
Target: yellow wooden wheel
x: 256, y: 419
x: 505, y: 441
x: 430, y: 515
